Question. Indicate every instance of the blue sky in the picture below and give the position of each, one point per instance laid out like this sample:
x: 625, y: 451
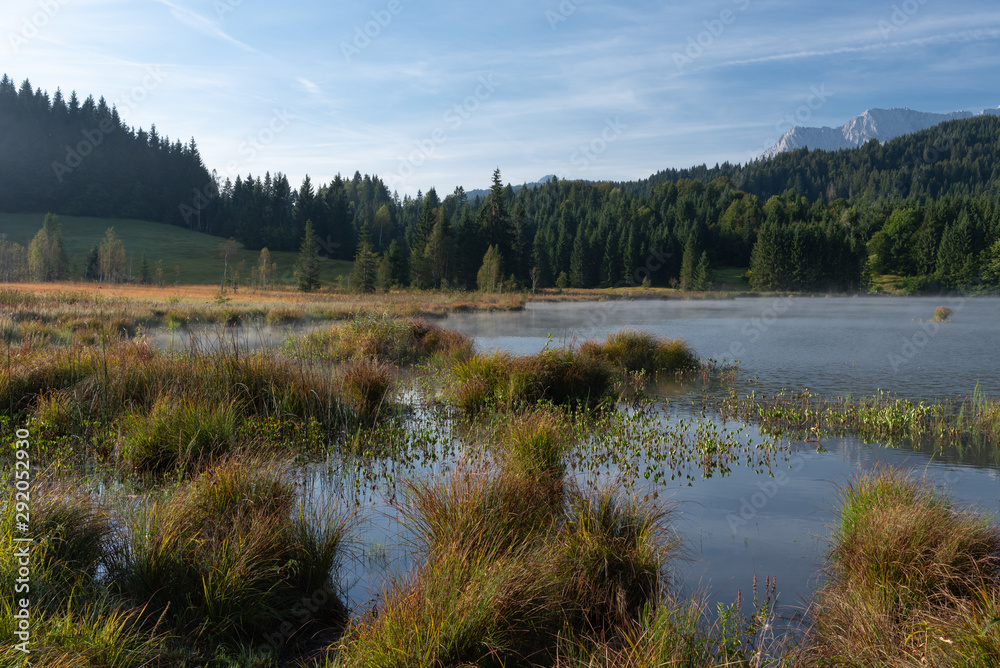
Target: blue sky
x: 440, y: 93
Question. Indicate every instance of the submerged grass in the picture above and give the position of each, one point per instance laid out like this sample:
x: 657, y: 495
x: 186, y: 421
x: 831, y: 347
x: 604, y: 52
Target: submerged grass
x: 883, y: 418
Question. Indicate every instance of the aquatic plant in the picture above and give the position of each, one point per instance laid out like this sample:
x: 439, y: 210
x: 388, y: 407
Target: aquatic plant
x: 942, y: 314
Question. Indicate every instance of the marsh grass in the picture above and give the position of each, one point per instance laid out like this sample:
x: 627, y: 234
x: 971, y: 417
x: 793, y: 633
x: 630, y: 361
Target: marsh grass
x: 91, y: 634
x: 512, y: 557
x: 158, y: 410
x: 499, y: 380
x: 368, y: 386
x: 911, y: 579
x: 383, y: 338
x: 942, y: 314
x: 227, y: 557
x: 881, y: 418
x: 70, y: 533
x: 634, y: 351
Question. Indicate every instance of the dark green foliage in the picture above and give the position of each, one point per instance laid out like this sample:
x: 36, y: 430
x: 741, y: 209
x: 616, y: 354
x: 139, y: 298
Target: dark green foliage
x: 899, y: 203
x: 307, y: 267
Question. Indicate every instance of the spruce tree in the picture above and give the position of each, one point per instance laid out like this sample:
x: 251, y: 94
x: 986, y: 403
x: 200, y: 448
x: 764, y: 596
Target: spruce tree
x: 688, y: 264
x: 307, y: 265
x: 365, y: 263
x: 703, y: 274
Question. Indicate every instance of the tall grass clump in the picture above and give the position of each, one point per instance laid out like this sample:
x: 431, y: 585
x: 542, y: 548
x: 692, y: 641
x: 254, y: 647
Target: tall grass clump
x: 69, y: 532
x: 384, y: 338
x: 368, y: 386
x: 634, y: 351
x: 514, y: 560
x: 181, y: 433
x: 562, y: 377
x: 942, y: 314
x: 91, y: 634
x: 228, y: 557
x: 911, y: 579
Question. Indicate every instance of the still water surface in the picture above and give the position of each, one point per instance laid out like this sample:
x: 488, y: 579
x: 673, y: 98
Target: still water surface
x: 744, y: 524
x: 748, y: 524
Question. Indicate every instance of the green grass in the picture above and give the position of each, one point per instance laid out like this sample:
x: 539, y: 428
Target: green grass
x: 730, y: 279
x: 913, y: 581
x: 194, y: 253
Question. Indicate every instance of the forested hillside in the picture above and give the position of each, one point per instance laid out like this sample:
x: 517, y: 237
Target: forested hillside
x: 924, y: 207
x: 80, y: 158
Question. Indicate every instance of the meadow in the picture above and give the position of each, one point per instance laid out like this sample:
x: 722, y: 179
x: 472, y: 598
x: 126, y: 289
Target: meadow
x: 188, y: 257
x: 177, y: 520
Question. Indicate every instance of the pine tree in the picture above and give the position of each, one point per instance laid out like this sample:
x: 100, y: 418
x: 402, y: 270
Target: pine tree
x: 307, y: 265
x: 702, y: 279
x: 144, y: 269
x: 365, y: 263
x: 688, y: 264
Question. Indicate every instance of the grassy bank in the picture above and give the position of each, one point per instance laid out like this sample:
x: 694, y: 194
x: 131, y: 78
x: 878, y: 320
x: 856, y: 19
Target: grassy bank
x: 187, y: 257
x: 912, y: 581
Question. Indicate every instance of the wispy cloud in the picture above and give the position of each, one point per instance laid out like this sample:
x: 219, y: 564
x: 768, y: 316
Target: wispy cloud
x: 204, y: 25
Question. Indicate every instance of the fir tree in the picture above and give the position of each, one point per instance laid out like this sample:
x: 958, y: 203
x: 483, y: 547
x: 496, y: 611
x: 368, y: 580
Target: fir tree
x: 365, y: 263
x: 688, y: 264
x: 307, y: 265
x: 702, y: 279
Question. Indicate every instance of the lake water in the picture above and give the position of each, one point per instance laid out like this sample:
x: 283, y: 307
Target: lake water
x: 836, y: 345
x: 743, y: 524
x: 747, y: 524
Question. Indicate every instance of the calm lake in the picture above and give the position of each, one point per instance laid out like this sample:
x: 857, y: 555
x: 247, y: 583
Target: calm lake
x: 745, y: 523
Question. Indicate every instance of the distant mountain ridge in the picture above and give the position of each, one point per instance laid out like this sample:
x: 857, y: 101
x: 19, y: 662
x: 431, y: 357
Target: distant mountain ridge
x: 880, y: 124
x: 482, y: 193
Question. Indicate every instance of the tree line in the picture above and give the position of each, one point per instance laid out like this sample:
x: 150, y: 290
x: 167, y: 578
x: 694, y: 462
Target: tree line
x: 923, y: 207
